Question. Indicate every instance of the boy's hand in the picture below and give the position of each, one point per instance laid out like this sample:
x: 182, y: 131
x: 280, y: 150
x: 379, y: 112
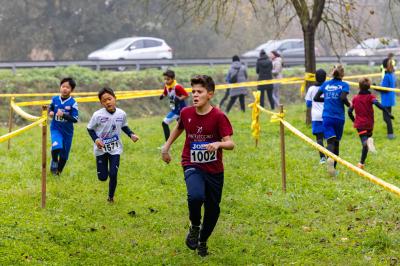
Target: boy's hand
x: 213, y: 146
x: 51, y: 114
x: 59, y: 113
x: 161, y: 96
x: 99, y: 143
x: 134, y: 138
x: 166, y: 157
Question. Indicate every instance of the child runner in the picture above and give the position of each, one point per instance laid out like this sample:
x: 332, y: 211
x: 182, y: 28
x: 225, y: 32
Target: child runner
x: 316, y: 111
x: 64, y: 113
x: 176, y: 95
x: 105, y: 129
x: 335, y: 93
x: 388, y: 98
x: 208, y: 132
x: 364, y: 120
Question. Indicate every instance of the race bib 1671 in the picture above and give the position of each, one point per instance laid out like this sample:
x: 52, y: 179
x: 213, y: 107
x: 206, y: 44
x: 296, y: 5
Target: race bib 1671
x: 111, y: 144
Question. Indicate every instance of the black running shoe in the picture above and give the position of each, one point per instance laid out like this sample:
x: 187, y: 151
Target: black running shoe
x: 54, y: 167
x: 110, y: 200
x: 202, y: 249
x: 192, y: 237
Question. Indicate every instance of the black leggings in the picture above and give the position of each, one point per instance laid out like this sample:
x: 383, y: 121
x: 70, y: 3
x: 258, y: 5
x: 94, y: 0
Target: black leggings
x: 333, y: 146
x: 388, y: 121
x: 320, y: 141
x: 232, y: 100
x: 364, y: 137
x: 269, y: 95
x: 107, y: 166
x: 224, y: 98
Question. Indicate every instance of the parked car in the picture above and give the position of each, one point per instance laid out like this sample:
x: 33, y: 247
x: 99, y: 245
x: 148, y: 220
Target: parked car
x: 376, y: 46
x: 286, y: 47
x: 133, y: 48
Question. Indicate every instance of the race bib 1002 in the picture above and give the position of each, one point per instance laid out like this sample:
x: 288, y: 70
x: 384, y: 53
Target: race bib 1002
x: 111, y: 144
x: 199, y: 154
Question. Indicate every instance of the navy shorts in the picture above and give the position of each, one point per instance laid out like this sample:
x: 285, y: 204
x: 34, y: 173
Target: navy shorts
x: 61, y: 141
x: 317, y: 127
x: 333, y: 128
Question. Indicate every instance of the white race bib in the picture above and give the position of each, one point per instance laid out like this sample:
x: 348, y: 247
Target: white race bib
x: 111, y: 144
x: 199, y: 154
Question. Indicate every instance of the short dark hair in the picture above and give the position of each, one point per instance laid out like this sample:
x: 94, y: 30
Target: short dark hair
x: 106, y: 90
x: 204, y: 80
x: 235, y: 58
x: 169, y: 73
x: 262, y: 52
x: 364, y: 83
x: 70, y: 81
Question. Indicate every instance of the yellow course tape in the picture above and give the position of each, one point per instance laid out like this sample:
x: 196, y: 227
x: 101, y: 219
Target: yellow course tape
x: 280, y: 117
x: 255, y: 116
x: 21, y: 130
x: 372, y: 178
x: 22, y: 113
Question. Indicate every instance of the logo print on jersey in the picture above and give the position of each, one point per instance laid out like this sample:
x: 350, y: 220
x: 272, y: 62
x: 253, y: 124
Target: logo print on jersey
x: 189, y: 120
x: 67, y: 107
x: 114, y: 127
x: 199, y: 130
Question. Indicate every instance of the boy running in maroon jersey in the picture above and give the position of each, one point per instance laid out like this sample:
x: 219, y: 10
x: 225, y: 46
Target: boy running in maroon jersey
x: 208, y: 131
x: 364, y: 120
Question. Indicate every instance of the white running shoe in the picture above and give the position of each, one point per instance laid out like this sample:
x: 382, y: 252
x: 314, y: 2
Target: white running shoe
x: 331, y: 167
x: 371, y: 146
x: 322, y: 160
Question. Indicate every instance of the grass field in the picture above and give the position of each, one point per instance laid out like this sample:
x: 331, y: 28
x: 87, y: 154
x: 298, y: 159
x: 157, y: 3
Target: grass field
x: 319, y: 221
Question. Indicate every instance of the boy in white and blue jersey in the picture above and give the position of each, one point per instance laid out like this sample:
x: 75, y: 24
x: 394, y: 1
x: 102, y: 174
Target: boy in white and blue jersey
x: 335, y: 93
x: 64, y: 113
x: 105, y: 128
x: 316, y: 110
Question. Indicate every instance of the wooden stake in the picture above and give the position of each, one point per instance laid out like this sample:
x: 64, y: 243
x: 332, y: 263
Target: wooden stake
x: 283, y: 161
x: 44, y: 155
x: 10, y: 121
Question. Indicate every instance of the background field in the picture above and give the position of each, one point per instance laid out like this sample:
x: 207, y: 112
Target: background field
x: 320, y: 220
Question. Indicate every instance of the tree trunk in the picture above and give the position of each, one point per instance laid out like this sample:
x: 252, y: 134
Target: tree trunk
x: 310, y: 62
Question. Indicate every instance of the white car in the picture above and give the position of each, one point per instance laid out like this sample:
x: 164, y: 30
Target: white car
x: 375, y: 46
x: 287, y: 47
x: 133, y: 48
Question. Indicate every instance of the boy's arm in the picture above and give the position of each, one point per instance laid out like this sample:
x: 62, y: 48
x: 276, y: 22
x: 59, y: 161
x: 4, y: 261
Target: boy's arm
x: 318, y: 98
x: 130, y: 133
x: 380, y: 106
x: 69, y: 118
x: 350, y: 113
x: 93, y: 134
x: 343, y: 97
x: 226, y: 144
x: 176, y: 132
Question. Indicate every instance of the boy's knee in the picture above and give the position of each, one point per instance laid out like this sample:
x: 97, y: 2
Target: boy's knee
x: 102, y: 176
x: 196, y: 197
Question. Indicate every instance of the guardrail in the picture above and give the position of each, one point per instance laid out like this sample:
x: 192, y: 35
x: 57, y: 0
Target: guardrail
x: 160, y: 63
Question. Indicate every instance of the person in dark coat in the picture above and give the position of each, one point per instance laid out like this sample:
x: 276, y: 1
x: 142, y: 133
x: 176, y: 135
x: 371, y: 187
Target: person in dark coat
x: 264, y: 71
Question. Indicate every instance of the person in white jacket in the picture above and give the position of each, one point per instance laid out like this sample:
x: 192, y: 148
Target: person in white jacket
x: 277, y: 67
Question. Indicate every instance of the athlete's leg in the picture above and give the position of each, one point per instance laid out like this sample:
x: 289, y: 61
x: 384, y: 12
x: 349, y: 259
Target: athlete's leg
x: 320, y: 140
x: 194, y: 179
x: 114, y: 165
x: 102, y: 166
x: 213, y: 189
x: 64, y: 154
